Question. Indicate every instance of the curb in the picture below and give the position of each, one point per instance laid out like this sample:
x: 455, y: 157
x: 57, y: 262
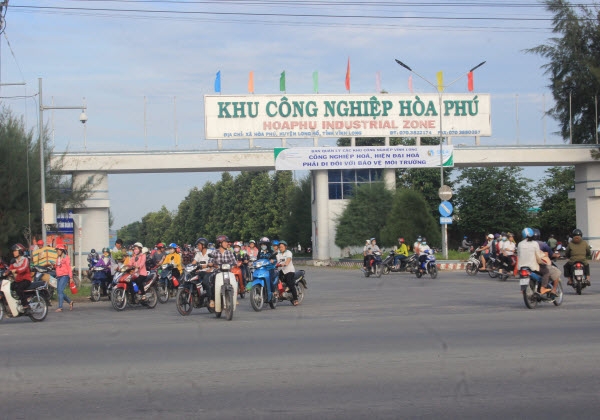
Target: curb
x: 442, y: 265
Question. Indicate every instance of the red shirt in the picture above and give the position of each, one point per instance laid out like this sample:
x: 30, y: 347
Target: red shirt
x: 21, y: 265
x: 63, y: 267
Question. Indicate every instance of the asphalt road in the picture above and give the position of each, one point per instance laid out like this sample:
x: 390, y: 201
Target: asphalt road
x: 390, y: 348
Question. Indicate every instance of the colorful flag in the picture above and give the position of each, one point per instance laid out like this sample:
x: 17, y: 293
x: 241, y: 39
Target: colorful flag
x: 348, y: 76
x: 282, y: 81
x: 440, y: 80
x: 471, y: 85
x: 218, y: 82
x: 410, y: 86
x: 316, y: 81
x: 378, y: 82
x: 251, y: 82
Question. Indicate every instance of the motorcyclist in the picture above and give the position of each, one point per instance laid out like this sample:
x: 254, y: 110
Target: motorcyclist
x: 485, y: 249
x: 138, y: 260
x: 92, y: 258
x: 466, y: 244
x: 265, y: 254
x: 424, y: 250
x: 366, y: 254
x: 416, y: 245
x: 553, y: 272
x: 401, y: 254
x: 527, y: 252
x: 507, y: 251
x: 159, y: 254
x: 284, y: 262
x: 577, y: 250
x: 202, y: 260
x: 22, y: 273
x: 552, y: 242
x: 275, y: 247
x: 221, y: 256
x: 242, y: 258
x: 252, y: 250
x: 373, y: 248
x: 173, y: 257
x: 108, y: 268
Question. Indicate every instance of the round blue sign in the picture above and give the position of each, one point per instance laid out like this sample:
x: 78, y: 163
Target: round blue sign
x: 446, y: 208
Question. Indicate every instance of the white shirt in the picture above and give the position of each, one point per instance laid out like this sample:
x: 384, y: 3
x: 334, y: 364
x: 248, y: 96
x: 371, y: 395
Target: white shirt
x: 507, y: 248
x: 416, y: 247
x: 423, y: 248
x: 281, y: 259
x: 526, y: 251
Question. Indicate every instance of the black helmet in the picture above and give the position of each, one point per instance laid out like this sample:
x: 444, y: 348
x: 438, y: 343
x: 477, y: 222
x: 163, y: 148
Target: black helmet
x: 202, y: 241
x: 18, y: 247
x: 536, y: 234
x: 93, y: 251
x: 577, y: 232
x: 220, y: 240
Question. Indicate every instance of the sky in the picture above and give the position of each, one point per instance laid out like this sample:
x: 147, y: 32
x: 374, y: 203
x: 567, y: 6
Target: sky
x: 142, y: 67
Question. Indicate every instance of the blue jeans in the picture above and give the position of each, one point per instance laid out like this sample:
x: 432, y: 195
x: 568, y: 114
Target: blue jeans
x: 398, y: 258
x: 62, y: 282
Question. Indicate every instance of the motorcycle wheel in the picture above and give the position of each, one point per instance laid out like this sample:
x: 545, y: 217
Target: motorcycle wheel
x: 119, y: 299
x: 95, y: 293
x: 529, y: 296
x: 578, y: 287
x: 300, y: 292
x: 433, y: 272
x: 492, y: 271
x: 367, y: 272
x: 385, y: 270
x: 151, y: 298
x: 273, y: 302
x: 257, y: 299
x: 39, y: 309
x: 163, y: 293
x: 559, y: 294
x: 378, y: 270
x: 418, y: 273
x: 228, y: 301
x: 471, y: 269
x: 183, y: 301
x: 1, y: 311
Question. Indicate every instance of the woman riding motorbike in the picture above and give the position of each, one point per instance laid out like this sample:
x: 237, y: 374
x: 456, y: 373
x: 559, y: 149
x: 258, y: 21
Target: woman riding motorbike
x: 284, y: 262
x: 22, y: 273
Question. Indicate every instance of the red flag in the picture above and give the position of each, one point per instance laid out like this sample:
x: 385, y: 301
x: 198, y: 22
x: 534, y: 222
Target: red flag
x: 470, y: 84
x: 348, y: 76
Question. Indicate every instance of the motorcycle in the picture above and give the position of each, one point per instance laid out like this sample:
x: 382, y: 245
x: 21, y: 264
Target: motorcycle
x: 498, y: 267
x: 428, y: 266
x: 494, y: 265
x: 283, y: 293
x: 577, y: 277
x: 191, y: 294
x: 121, y: 294
x: 237, y: 272
x: 530, y: 283
x: 225, y: 292
x: 100, y: 281
x: 410, y: 264
x: 91, y: 264
x: 44, y: 273
x: 37, y: 296
x: 168, y: 284
x: 263, y: 285
x: 375, y: 266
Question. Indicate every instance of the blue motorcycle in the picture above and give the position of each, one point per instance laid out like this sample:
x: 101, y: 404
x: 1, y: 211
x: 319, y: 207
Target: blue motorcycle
x: 263, y: 286
x: 427, y: 266
x: 101, y: 278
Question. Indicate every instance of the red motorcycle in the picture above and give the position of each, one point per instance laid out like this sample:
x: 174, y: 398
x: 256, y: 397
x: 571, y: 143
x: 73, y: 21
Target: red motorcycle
x: 237, y: 272
x: 124, y: 282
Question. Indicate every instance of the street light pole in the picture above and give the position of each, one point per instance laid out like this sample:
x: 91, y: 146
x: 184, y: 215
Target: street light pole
x: 440, y: 93
x: 82, y: 118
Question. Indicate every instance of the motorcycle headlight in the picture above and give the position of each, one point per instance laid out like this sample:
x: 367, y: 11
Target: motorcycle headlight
x: 225, y: 267
x: 190, y: 268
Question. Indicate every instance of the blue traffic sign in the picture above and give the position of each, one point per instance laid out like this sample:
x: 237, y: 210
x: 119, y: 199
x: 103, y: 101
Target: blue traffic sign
x: 446, y: 208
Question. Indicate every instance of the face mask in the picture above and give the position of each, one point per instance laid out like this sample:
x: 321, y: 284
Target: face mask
x: 423, y: 243
x: 263, y: 247
x: 130, y: 253
x: 504, y: 238
x: 236, y: 249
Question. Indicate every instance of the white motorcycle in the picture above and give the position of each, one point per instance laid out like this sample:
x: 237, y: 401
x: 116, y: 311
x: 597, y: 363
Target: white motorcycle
x: 37, y: 294
x: 225, y: 292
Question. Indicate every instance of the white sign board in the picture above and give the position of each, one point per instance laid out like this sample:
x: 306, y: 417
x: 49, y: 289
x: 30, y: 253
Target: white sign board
x: 298, y: 158
x: 319, y: 115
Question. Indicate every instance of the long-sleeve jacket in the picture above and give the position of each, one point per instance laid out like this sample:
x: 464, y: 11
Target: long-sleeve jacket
x: 21, y: 266
x: 63, y: 267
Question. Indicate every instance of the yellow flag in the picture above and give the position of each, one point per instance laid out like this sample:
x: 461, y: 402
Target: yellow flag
x: 440, y: 80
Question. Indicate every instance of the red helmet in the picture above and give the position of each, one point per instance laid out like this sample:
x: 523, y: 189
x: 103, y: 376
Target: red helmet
x: 18, y: 247
x: 61, y: 246
x: 221, y: 239
x: 40, y: 242
x: 400, y: 239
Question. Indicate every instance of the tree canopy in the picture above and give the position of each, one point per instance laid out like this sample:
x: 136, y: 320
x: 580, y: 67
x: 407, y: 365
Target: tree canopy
x: 557, y: 211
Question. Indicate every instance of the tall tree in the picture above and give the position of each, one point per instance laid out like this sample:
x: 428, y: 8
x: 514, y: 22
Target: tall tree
x: 490, y: 200
x: 297, y: 228
x: 557, y: 211
x: 364, y: 216
x: 573, y: 67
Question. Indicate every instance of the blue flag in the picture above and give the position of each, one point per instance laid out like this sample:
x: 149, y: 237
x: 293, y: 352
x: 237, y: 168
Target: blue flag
x: 218, y: 82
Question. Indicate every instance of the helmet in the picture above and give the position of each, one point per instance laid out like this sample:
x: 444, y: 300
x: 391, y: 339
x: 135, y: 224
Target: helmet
x: 40, y: 242
x: 93, y: 251
x: 139, y: 245
x: 283, y: 243
x: 64, y: 248
x: 496, y: 236
x: 536, y: 234
x: 238, y: 243
x: 105, y: 250
x: 264, y: 240
x: 419, y: 239
x: 275, y: 242
x: 202, y: 241
x: 160, y: 245
x: 465, y: 237
x: 18, y: 247
x: 527, y: 233
x: 490, y: 236
x: 220, y: 239
x: 252, y: 241
x: 172, y: 245
x: 144, y: 250
x: 372, y: 239
x: 577, y: 232
x: 400, y: 239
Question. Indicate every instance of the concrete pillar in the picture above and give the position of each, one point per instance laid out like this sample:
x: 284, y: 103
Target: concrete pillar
x: 94, y: 215
x: 389, y: 179
x: 320, y: 215
x: 587, y: 201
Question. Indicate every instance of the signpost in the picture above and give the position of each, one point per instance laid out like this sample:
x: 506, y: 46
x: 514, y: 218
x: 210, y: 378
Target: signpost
x: 446, y: 209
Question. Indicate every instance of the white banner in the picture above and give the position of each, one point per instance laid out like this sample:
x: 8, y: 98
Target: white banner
x: 310, y: 158
x: 303, y: 116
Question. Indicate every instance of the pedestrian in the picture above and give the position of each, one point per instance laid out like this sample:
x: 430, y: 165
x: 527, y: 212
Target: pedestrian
x: 64, y: 275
